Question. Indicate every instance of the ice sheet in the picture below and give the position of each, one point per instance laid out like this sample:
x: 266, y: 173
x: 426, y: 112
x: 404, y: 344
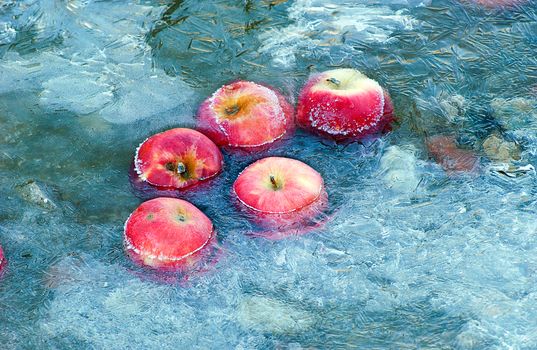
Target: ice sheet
x: 411, y: 256
x: 317, y: 23
x: 101, y: 66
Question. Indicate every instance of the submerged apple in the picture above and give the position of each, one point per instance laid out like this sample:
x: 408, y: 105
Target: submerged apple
x: 445, y: 152
x: 281, y: 193
x: 2, y: 259
x: 167, y: 233
x: 177, y: 158
x: 244, y: 114
x: 344, y: 104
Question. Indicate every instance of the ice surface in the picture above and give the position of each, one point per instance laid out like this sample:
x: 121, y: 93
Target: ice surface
x: 317, y: 23
x: 452, y: 263
x: 101, y: 67
x: 272, y: 316
x: 398, y: 165
x: 68, y: 91
x: 411, y: 257
x: 36, y: 193
x: 7, y: 33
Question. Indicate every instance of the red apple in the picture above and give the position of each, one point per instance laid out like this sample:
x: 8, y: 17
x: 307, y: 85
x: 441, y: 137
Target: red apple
x: 452, y: 158
x: 246, y: 115
x: 281, y: 193
x: 344, y: 104
x: 3, y: 260
x: 177, y: 158
x: 167, y: 233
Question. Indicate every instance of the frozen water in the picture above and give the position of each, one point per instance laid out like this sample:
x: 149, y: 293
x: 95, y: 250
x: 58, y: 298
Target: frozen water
x: 35, y: 193
x: 317, y: 23
x: 411, y: 256
x: 399, y: 168
x: 271, y: 316
x: 102, y: 65
x: 7, y: 33
x: 67, y: 92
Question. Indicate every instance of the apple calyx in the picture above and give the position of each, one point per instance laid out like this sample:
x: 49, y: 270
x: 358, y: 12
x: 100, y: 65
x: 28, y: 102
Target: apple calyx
x: 179, y: 168
x: 231, y: 111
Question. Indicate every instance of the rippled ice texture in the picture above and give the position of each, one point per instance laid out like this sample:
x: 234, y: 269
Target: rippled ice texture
x: 370, y: 23
x: 412, y: 256
x: 103, y: 65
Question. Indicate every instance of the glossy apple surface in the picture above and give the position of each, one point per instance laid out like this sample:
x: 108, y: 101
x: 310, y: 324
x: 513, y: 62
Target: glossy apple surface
x: 177, y: 158
x: 167, y: 233
x: 344, y: 104
x: 246, y: 115
x: 281, y: 193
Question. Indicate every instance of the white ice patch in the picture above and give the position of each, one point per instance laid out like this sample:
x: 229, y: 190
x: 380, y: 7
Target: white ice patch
x: 515, y: 113
x: 398, y: 165
x: 7, y: 33
x: 143, y: 93
x: 272, y: 316
x: 20, y: 73
x: 81, y: 93
x: 317, y: 23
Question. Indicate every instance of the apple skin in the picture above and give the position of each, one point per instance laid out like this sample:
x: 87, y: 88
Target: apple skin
x: 295, y: 200
x: 167, y: 234
x: 357, y: 108
x: 277, y: 226
x: 246, y: 115
x: 445, y: 152
x: 144, y: 190
x: 158, y: 159
x: 3, y: 260
x: 388, y: 117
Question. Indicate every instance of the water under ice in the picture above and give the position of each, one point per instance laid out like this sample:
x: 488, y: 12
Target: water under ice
x: 412, y: 257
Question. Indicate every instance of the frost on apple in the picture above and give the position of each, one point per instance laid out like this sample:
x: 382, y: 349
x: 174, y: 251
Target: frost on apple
x: 343, y: 103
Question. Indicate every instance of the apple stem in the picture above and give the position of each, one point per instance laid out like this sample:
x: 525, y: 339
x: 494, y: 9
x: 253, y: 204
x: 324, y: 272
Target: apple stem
x: 232, y: 110
x: 273, y: 182
x: 334, y: 81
